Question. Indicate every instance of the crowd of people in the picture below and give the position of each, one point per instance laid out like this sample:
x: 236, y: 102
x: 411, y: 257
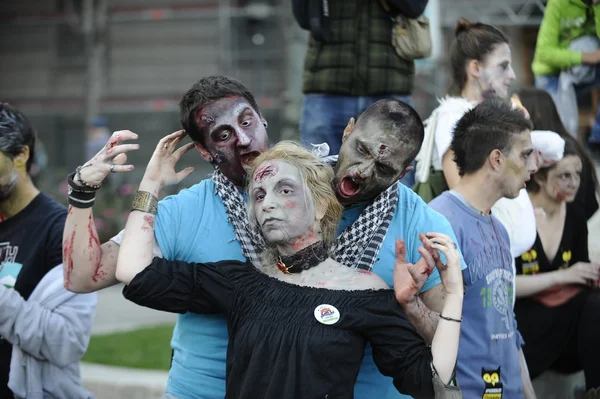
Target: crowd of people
x: 298, y: 274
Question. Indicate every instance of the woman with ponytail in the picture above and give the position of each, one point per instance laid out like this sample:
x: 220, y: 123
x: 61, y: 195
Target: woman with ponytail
x: 481, y: 68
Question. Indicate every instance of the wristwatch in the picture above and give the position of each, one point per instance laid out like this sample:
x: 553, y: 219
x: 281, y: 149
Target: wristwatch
x: 145, y: 202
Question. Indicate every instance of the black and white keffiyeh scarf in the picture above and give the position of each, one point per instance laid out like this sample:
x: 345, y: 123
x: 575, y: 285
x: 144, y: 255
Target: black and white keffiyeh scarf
x: 250, y: 238
x: 359, y: 244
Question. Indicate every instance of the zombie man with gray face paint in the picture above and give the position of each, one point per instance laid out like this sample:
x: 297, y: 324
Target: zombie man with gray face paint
x: 42, y: 325
x: 376, y: 152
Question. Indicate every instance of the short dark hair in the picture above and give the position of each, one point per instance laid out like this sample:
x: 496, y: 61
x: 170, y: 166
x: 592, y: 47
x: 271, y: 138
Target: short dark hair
x: 472, y: 41
x: 542, y: 173
x: 489, y: 126
x: 205, y: 91
x: 400, y: 119
x: 16, y: 133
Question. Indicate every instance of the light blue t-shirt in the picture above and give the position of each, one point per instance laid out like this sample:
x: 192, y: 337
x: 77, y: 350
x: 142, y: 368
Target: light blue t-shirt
x: 488, y: 352
x: 412, y: 217
x: 192, y: 226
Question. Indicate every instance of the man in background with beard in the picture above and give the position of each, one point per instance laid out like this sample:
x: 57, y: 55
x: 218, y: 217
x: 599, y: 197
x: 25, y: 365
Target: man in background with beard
x: 42, y: 325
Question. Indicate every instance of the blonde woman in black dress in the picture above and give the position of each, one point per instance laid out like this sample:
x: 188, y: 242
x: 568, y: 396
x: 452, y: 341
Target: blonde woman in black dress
x: 298, y: 322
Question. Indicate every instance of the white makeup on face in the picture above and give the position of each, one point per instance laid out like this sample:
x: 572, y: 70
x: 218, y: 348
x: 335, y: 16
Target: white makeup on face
x: 234, y: 134
x: 281, y: 205
x: 497, y: 73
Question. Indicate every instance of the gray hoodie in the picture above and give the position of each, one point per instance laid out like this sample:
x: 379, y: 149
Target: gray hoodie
x: 50, y: 333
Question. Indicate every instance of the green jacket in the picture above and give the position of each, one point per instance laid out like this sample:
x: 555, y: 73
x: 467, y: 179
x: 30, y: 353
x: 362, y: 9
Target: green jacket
x: 360, y: 59
x: 564, y: 21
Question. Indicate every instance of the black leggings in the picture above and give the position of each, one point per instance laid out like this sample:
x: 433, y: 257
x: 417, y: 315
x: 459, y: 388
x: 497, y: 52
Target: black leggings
x: 565, y: 338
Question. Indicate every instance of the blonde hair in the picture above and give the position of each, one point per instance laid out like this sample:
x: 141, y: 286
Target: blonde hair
x: 317, y: 178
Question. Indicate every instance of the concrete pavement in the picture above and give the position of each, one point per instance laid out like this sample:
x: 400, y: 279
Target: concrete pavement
x: 108, y: 382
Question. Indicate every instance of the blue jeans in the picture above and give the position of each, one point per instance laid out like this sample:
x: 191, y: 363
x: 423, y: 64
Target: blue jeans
x: 324, y: 118
x: 550, y: 84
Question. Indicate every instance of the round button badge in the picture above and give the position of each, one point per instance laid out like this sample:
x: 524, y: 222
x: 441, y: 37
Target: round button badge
x: 327, y: 314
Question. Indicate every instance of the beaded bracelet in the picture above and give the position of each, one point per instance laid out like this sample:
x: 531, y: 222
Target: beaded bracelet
x: 78, y: 187
x: 83, y: 183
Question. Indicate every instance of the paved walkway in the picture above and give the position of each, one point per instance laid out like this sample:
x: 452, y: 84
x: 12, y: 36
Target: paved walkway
x: 123, y: 383
x: 115, y: 314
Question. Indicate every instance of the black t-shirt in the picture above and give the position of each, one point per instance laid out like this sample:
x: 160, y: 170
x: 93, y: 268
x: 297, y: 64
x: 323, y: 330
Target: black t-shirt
x: 30, y: 245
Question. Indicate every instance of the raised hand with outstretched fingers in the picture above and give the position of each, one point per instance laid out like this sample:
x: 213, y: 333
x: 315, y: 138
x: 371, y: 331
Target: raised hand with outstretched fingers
x: 410, y: 278
x: 450, y: 272
x: 111, y: 158
x: 161, y: 167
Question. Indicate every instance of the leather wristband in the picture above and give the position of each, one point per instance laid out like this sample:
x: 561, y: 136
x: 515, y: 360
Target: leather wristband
x: 80, y: 199
x: 145, y: 202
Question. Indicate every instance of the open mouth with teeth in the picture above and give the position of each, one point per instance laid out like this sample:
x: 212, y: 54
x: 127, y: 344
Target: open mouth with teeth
x: 348, y: 187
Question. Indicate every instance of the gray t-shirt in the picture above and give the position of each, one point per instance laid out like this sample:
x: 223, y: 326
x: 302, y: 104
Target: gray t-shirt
x: 488, y: 355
